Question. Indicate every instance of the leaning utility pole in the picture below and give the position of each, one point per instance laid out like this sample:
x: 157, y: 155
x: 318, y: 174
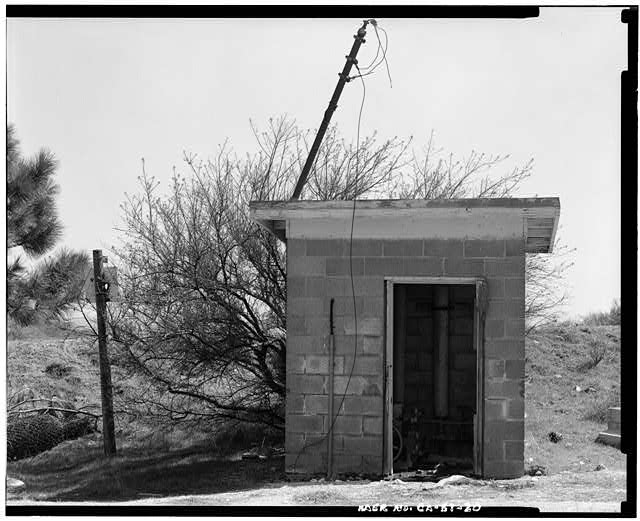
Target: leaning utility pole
x: 333, y: 104
x: 106, y: 390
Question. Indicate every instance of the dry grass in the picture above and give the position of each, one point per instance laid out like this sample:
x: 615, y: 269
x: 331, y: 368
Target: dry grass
x: 47, y: 330
x: 597, y: 410
x: 605, y: 318
x: 152, y: 459
x: 568, y: 394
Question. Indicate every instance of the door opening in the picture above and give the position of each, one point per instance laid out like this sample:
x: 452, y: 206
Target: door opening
x: 433, y: 370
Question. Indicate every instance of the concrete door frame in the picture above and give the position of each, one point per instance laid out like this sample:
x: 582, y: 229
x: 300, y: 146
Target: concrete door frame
x: 480, y: 303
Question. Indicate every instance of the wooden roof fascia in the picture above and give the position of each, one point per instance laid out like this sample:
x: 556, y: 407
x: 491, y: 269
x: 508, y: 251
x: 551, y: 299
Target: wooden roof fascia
x: 540, y: 215
x: 409, y: 204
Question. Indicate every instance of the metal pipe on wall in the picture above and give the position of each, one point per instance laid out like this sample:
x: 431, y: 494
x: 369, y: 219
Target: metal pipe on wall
x: 331, y: 362
x: 441, y: 351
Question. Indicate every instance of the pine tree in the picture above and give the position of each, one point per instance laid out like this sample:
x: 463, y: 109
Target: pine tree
x: 32, y: 217
x: 33, y: 227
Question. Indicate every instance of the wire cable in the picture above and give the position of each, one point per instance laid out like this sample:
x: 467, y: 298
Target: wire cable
x: 371, y: 69
x: 375, y: 57
x: 353, y: 213
x: 353, y: 217
x: 353, y: 293
x: 384, y: 52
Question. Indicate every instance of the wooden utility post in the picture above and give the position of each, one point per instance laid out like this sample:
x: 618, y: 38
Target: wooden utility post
x: 106, y: 390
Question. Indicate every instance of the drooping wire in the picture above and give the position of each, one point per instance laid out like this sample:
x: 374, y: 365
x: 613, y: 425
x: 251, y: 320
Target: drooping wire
x: 353, y: 293
x: 364, y: 95
x: 353, y: 214
x: 353, y: 217
x: 384, y: 51
x: 370, y: 69
x: 366, y: 67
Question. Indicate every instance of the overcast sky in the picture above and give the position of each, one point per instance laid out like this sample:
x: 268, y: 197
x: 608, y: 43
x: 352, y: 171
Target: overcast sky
x: 102, y: 94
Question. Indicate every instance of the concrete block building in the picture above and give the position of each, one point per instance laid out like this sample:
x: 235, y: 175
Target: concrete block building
x: 405, y: 331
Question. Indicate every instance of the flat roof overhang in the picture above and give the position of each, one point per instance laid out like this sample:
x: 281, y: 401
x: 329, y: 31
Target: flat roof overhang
x: 539, y: 214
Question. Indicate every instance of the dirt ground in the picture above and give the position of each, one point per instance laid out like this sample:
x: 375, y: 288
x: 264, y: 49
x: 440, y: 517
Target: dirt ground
x: 562, y: 492
x: 593, y: 491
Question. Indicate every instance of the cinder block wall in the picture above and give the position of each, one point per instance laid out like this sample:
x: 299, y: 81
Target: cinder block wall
x: 318, y: 270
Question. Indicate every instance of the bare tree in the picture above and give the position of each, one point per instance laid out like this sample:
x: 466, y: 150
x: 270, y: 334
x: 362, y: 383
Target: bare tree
x: 203, y: 318
x: 544, y: 281
x: 435, y: 176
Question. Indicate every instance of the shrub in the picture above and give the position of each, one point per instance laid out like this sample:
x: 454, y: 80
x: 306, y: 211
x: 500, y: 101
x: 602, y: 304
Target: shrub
x: 566, y: 333
x: 597, y: 410
x: 597, y: 352
x: 605, y: 318
x: 203, y: 318
x: 31, y: 435
x: 57, y: 370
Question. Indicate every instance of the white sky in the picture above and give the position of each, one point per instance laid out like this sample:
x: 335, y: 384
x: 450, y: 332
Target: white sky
x: 101, y: 94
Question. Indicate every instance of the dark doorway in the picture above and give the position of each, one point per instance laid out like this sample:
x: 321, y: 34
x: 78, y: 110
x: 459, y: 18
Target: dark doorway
x: 434, y: 377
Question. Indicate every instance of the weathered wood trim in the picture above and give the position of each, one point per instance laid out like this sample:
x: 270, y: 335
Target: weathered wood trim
x: 416, y: 226
x: 541, y: 226
x: 400, y: 340
x: 555, y: 230
x: 397, y: 204
x: 387, y: 456
x: 480, y: 308
x: 433, y: 280
x: 380, y: 219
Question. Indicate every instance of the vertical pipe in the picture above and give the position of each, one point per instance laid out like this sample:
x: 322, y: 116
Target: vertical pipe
x: 441, y: 351
x: 331, y: 369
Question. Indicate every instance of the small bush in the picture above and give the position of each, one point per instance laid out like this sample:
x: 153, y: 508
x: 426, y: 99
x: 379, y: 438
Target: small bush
x: 31, y: 435
x: 235, y: 436
x: 565, y: 332
x: 57, y: 370
x: 78, y: 427
x: 597, y: 352
x: 604, y: 318
x: 597, y: 410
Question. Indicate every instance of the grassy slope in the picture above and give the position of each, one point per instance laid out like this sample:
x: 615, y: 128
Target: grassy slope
x: 37, y: 348
x: 77, y: 470
x: 31, y: 350
x: 553, y: 371
x: 34, y: 349
x: 150, y: 462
